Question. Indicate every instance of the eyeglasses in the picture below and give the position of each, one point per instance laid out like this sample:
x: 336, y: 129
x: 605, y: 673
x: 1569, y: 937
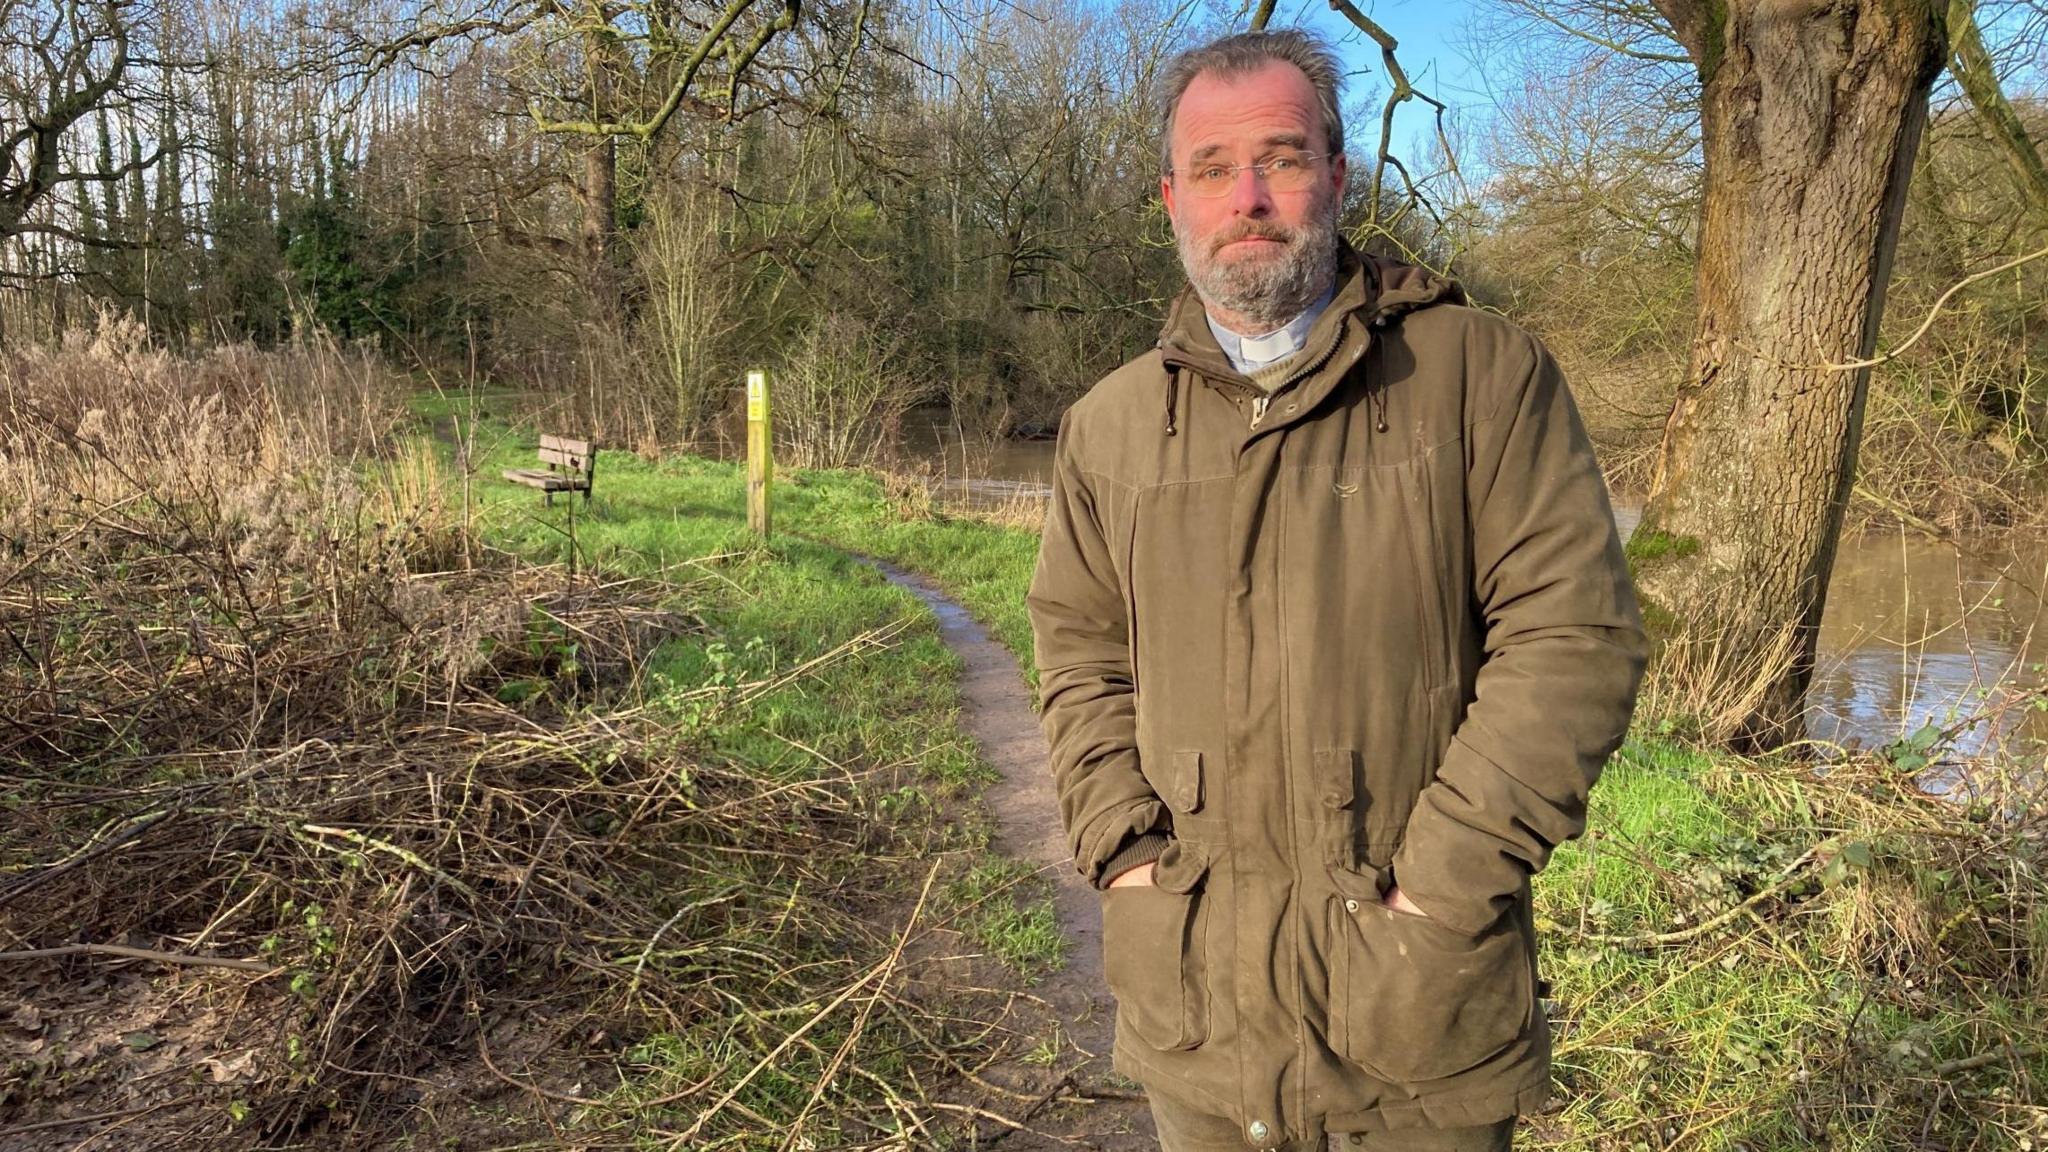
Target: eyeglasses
x: 1284, y: 171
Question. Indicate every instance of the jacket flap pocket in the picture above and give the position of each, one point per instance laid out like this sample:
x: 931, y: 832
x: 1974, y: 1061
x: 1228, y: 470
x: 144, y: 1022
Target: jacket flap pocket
x: 1185, y: 790
x: 1180, y: 868
x: 1336, y: 777
x: 1366, y: 885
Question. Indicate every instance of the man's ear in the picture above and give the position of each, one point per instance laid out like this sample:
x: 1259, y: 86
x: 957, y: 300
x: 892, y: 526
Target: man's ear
x: 1338, y: 171
x: 1166, y: 193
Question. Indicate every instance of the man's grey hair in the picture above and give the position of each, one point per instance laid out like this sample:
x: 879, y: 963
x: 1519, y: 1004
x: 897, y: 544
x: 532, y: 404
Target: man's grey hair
x: 1244, y: 52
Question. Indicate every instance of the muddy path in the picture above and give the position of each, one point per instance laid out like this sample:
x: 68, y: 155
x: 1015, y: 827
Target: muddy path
x: 1087, y: 1105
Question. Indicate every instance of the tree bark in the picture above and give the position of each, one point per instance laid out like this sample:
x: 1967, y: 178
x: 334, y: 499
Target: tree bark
x: 1811, y: 113
x: 600, y: 199
x: 600, y: 192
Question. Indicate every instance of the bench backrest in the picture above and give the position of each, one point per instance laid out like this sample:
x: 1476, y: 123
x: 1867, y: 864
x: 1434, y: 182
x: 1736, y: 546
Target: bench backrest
x: 571, y: 454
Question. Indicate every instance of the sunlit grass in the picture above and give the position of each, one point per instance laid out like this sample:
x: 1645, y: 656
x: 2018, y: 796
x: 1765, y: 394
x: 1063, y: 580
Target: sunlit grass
x: 1005, y: 907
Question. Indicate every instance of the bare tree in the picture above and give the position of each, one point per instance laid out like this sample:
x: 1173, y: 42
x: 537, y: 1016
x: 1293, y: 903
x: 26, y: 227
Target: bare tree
x: 61, y: 62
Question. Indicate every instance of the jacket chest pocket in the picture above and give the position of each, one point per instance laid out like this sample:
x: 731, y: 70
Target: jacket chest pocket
x: 1154, y: 956
x: 1413, y: 1001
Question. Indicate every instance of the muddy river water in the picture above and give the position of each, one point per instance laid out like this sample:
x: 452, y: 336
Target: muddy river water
x: 1917, y: 631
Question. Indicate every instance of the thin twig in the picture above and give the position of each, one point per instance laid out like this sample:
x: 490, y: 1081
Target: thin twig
x: 370, y: 842
x: 89, y: 1118
x: 1680, y: 936
x: 880, y: 970
x: 860, y: 1019
x: 1933, y: 312
x: 1984, y: 1060
x: 483, y: 1050
x: 141, y: 954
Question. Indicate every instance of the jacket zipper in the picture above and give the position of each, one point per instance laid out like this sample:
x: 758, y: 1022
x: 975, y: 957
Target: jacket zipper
x: 1261, y: 403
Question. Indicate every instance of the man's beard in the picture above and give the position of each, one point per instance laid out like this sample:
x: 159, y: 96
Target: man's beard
x: 1269, y: 292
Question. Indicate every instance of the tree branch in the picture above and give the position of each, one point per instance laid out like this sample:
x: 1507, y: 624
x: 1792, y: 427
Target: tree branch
x: 679, y: 89
x: 1970, y: 63
x: 72, y: 91
x: 1614, y: 46
x: 138, y: 954
x: 1933, y: 312
x: 1402, y: 92
x: 63, y: 233
x: 1688, y: 20
x: 137, y: 165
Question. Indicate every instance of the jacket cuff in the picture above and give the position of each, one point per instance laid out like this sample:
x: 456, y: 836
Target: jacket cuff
x: 1443, y: 867
x: 1138, y: 850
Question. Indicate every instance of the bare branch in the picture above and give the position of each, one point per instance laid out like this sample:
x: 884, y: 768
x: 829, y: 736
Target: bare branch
x: 1403, y: 91
x: 128, y: 953
x: 1690, y: 26
x: 1970, y: 63
x: 1933, y: 312
x: 679, y: 89
x: 73, y: 85
x: 44, y: 228
x: 1617, y: 47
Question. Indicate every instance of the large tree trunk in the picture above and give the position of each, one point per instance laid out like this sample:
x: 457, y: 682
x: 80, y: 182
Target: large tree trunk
x: 1811, y: 112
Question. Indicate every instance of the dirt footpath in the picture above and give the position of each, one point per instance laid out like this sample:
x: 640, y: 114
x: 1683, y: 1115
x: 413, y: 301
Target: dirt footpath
x: 1086, y: 1104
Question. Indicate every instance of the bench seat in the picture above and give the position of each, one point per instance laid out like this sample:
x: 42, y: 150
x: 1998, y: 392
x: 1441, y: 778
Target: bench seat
x: 547, y: 481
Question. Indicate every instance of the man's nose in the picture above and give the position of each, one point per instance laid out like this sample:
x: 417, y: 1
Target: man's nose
x: 1249, y: 196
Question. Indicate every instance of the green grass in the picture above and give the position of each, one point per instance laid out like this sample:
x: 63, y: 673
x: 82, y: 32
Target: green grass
x: 1644, y: 1032
x: 1003, y: 905
x: 985, y: 567
x: 1800, y: 1026
x: 886, y: 715
x: 776, y: 606
x: 429, y: 405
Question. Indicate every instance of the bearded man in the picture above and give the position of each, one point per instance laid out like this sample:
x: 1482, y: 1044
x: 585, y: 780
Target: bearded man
x: 1334, y: 636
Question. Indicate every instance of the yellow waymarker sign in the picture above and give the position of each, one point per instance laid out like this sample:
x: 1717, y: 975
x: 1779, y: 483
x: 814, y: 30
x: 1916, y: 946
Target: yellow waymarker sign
x: 760, y: 463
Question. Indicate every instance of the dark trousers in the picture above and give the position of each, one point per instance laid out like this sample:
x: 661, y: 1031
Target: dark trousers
x: 1185, y: 1130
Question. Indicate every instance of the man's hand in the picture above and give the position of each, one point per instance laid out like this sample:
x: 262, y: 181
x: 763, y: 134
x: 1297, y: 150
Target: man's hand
x: 1139, y: 877
x: 1399, y: 902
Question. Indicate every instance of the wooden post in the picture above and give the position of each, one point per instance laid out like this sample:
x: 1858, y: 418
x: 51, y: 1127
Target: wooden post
x: 760, y: 455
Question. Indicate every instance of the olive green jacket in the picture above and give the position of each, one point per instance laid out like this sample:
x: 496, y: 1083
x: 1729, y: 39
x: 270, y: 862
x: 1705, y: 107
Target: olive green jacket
x: 1375, y: 629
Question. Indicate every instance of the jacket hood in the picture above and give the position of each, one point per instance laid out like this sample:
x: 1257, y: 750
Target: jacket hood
x: 1376, y: 290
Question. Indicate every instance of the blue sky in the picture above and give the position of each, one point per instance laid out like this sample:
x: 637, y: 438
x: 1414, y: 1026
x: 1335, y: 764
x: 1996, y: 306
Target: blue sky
x: 1429, y: 32
x: 1433, y: 35
x: 1427, y: 29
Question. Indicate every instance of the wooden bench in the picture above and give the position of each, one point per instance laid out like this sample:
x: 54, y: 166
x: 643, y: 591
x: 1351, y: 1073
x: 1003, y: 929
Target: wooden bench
x: 571, y: 467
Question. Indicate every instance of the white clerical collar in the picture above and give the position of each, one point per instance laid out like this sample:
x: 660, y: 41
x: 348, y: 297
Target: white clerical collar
x: 1248, y: 353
